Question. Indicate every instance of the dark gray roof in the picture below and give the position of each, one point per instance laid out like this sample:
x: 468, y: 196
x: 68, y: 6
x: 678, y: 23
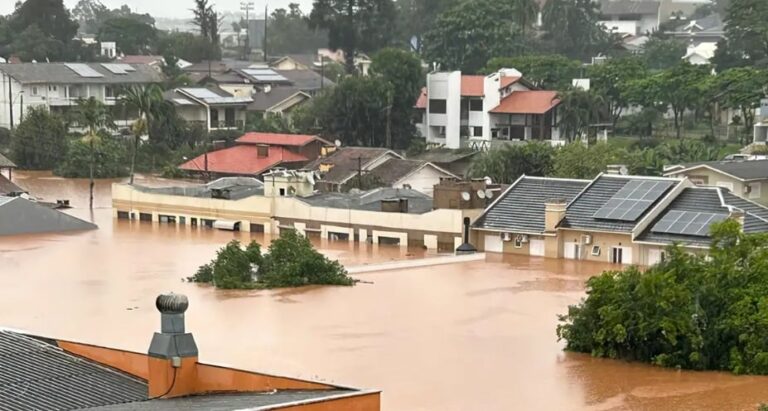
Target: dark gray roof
x: 225, y: 402
x: 21, y: 216
x: 708, y: 200
x: 264, y: 101
x: 395, y: 169
x: 9, y: 187
x: 580, y: 211
x: 616, y: 7
x: 59, y: 73
x: 418, y: 203
x: 37, y: 375
x: 713, y: 22
x: 444, y: 155
x: 521, y: 208
x: 745, y: 170
x: 239, y: 188
x: 345, y: 162
x: 306, y: 80
x: 5, y: 162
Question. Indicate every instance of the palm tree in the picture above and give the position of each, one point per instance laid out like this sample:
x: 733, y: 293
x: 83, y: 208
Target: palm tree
x: 527, y: 11
x: 145, y: 100
x: 94, y: 116
x: 578, y: 110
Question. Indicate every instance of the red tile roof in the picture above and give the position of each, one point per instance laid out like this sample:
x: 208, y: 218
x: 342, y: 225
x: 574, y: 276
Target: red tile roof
x: 472, y: 86
x: 422, y: 100
x: 242, y: 160
x: 508, y: 81
x: 528, y: 102
x: 274, y: 139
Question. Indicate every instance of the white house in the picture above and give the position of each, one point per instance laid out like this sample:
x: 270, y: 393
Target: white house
x: 473, y: 111
x: 761, y: 125
x: 630, y: 16
x: 701, y: 53
x: 213, y: 108
x: 58, y: 87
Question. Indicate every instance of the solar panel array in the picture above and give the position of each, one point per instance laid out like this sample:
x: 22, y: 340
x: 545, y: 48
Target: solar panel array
x: 201, y: 93
x: 687, y: 223
x: 83, y: 70
x: 264, y: 75
x: 183, y: 102
x: 629, y: 203
x: 118, y: 68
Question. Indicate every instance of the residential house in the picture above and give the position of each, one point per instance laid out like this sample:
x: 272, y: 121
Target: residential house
x: 460, y: 111
x: 151, y: 60
x: 19, y: 215
x: 293, y: 62
x: 256, y: 153
x: 747, y: 179
x: 287, y: 201
x: 709, y: 29
x: 761, y: 125
x: 58, y: 87
x: 344, y: 164
x: 457, y: 162
x: 44, y: 373
x: 362, y: 61
x: 213, y: 108
x: 417, y: 175
x: 6, y: 167
x: 700, y: 54
x: 679, y: 10
x: 279, y: 101
x: 613, y: 218
x: 634, y: 17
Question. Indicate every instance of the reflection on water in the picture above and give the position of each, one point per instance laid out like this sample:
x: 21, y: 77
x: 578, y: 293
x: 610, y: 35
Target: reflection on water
x: 471, y: 336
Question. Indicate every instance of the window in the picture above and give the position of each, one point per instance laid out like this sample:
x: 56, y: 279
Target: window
x: 34, y: 91
x: 475, y: 105
x: 214, y: 118
x: 123, y: 215
x: 109, y: 92
x: 182, y: 220
x: 477, y: 131
x: 755, y: 190
x: 596, y: 250
x: 282, y: 192
x: 437, y: 106
x: 229, y: 116
x: 519, y: 241
x: 617, y: 256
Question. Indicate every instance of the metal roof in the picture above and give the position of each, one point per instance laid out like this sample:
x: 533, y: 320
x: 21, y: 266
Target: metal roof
x: 237, y: 187
x: 744, y: 170
x: 210, y: 96
x: 263, y: 101
x: 5, y: 162
x: 418, y: 203
x: 64, y: 73
x: 616, y: 7
x: 228, y: 402
x: 521, y: 207
x: 707, y: 200
x: 37, y: 375
x: 345, y: 162
x: 21, y: 216
x: 580, y: 212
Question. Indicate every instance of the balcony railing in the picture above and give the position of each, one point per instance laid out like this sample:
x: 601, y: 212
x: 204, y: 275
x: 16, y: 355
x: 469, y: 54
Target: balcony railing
x: 221, y: 125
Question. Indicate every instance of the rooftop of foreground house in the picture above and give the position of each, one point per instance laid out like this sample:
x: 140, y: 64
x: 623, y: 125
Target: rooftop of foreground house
x: 230, y: 188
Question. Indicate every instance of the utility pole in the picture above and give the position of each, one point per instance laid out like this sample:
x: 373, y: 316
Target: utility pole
x: 10, y: 99
x: 266, y: 23
x: 389, y: 118
x: 246, y: 6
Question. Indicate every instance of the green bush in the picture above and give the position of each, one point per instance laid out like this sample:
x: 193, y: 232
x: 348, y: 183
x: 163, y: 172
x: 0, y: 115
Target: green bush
x: 291, y: 262
x: 39, y: 142
x: 693, y: 312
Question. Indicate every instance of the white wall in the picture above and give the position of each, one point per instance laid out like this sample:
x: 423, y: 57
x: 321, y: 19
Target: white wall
x: 423, y: 180
x: 445, y: 86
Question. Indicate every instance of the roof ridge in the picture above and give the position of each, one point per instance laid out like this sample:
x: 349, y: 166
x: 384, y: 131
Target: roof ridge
x: 576, y: 180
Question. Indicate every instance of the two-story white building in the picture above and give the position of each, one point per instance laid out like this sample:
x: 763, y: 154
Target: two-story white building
x: 59, y: 86
x: 633, y: 17
x: 474, y: 111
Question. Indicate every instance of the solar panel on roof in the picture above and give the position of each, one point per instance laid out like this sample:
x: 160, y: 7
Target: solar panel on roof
x: 629, y: 203
x: 200, y: 93
x: 687, y: 223
x: 266, y: 75
x: 114, y: 68
x: 83, y: 70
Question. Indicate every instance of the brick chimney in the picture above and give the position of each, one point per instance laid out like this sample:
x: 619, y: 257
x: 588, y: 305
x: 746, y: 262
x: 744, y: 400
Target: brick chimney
x: 554, y: 212
x: 173, y: 352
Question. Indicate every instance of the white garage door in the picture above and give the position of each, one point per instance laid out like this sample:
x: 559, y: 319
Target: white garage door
x: 493, y: 243
x: 537, y: 248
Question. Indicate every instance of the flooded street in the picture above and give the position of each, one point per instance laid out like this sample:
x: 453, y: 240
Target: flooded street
x: 470, y: 336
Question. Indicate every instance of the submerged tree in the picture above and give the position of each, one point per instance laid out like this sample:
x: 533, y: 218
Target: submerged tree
x: 146, y: 101
x: 93, y: 115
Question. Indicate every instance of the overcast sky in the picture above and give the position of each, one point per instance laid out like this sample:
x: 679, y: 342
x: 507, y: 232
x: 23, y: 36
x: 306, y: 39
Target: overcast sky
x: 174, y: 8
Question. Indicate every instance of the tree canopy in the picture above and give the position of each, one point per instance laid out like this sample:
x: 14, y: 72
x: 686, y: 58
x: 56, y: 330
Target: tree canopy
x: 132, y: 36
x: 546, y: 71
x: 289, y: 32
x: 355, y: 25
x: 39, y: 141
x: 690, y: 311
x: 572, y: 28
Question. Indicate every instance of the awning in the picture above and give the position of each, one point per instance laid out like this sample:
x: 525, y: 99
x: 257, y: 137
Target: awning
x: 225, y: 225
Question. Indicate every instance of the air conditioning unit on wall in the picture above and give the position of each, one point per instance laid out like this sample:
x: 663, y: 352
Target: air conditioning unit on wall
x: 507, y: 237
x: 524, y: 239
x: 586, y: 239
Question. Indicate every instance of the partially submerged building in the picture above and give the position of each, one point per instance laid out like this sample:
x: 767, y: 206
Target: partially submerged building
x: 613, y: 218
x: 43, y: 373
x: 21, y: 216
x: 287, y: 200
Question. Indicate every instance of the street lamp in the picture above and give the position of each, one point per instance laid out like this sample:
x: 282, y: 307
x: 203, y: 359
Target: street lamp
x: 246, y: 6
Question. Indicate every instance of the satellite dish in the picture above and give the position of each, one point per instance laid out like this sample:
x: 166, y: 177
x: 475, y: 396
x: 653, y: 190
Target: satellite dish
x: 488, y: 194
x: 481, y: 194
x: 488, y: 180
x: 337, y: 143
x: 465, y: 196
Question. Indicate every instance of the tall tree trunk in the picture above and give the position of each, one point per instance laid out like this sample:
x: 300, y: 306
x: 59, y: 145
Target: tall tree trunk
x: 133, y: 156
x: 90, y: 182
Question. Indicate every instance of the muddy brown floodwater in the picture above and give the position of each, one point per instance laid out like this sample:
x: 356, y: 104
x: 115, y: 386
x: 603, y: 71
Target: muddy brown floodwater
x: 470, y: 336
